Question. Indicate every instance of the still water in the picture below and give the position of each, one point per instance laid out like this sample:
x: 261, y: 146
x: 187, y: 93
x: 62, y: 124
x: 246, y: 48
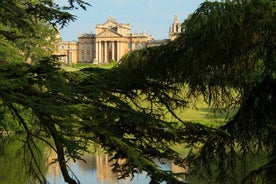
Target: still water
x: 97, y: 170
x: 16, y: 161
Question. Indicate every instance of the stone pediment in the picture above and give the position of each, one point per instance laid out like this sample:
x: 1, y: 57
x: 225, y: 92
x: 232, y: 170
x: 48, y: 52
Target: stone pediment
x: 110, y: 24
x: 108, y: 34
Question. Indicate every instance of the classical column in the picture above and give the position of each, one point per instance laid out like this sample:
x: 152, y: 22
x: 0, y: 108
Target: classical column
x: 113, y: 50
x: 121, y: 50
x: 97, y: 49
x: 100, y: 52
x: 105, y: 52
x: 103, y: 46
x: 118, y: 50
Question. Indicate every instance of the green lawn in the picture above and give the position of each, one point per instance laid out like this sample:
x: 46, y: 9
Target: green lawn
x: 198, y: 113
x: 80, y: 66
x: 207, y: 115
x: 201, y: 113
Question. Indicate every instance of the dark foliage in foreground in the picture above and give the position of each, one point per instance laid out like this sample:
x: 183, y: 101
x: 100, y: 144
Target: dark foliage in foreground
x: 226, y: 54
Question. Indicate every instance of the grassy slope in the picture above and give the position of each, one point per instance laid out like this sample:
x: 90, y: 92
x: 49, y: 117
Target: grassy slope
x: 204, y: 114
x: 79, y: 66
x: 201, y: 113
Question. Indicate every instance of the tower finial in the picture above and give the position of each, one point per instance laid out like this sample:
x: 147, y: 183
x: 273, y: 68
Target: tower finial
x: 175, y: 19
x: 111, y: 18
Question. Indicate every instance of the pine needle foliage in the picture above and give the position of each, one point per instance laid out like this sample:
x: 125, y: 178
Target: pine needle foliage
x: 91, y: 106
x: 226, y: 54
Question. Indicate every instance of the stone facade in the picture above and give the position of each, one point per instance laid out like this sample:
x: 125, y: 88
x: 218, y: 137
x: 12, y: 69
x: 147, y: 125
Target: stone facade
x: 175, y: 29
x: 68, y: 52
x: 111, y: 41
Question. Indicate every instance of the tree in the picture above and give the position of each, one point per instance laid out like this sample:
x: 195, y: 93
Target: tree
x: 20, y: 28
x: 125, y: 114
x: 24, y: 14
x: 226, y: 46
x: 9, y: 51
x: 100, y: 110
x: 40, y: 43
x: 31, y: 27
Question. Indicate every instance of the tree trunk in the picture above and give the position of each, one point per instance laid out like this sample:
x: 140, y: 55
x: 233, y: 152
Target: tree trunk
x: 59, y: 149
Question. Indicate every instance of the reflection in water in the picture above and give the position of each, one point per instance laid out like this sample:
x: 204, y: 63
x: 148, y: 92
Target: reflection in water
x: 53, y: 167
x: 15, y: 162
x: 104, y: 173
x: 97, y: 169
x: 96, y: 166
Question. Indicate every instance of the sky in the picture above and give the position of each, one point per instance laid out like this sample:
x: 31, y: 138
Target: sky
x: 153, y: 17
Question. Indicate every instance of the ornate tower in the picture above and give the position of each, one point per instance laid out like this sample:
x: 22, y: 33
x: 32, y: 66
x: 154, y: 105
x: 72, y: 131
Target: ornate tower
x: 175, y: 29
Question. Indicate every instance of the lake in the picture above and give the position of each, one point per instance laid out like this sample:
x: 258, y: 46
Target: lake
x: 97, y: 169
x: 15, y: 165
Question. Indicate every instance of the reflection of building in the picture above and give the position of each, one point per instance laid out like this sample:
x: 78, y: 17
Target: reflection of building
x: 52, y: 164
x: 104, y: 170
x: 99, y: 168
x: 178, y: 169
x: 111, y: 41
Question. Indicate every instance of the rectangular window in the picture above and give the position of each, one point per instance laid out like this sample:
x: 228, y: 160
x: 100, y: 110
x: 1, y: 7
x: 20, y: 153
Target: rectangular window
x: 70, y: 57
x: 88, y: 56
x: 137, y: 45
x: 82, y: 56
x: 94, y: 50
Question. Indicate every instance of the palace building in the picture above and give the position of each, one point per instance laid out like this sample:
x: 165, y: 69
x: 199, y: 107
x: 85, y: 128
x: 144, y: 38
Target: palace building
x: 111, y: 41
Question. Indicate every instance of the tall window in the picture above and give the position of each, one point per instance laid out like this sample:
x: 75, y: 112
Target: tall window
x: 136, y: 45
x: 70, y: 57
x: 82, y: 56
x: 94, y: 50
x: 88, y: 56
x: 129, y: 45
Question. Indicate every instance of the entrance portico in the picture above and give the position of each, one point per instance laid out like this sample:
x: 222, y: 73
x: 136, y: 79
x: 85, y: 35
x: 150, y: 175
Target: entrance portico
x: 107, y: 50
x: 113, y: 40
